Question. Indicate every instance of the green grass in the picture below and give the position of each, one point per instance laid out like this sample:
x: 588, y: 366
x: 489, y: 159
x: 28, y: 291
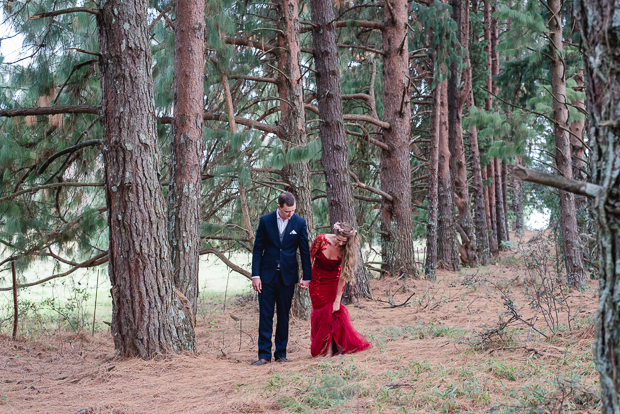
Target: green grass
x: 71, y: 299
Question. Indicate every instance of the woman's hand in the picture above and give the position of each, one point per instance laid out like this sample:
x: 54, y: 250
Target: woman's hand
x: 336, y: 306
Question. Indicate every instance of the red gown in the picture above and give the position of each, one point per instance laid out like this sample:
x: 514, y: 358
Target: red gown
x: 325, y: 325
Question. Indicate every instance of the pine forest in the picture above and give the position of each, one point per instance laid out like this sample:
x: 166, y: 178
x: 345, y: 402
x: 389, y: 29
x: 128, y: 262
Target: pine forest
x: 459, y: 158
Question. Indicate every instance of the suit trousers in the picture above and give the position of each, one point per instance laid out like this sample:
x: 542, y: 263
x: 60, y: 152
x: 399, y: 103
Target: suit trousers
x: 274, y: 295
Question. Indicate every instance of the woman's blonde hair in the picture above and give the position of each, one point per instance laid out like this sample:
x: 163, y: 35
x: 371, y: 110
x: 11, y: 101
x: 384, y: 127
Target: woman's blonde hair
x: 351, y: 250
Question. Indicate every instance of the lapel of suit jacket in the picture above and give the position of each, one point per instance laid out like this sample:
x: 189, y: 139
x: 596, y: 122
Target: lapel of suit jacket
x: 275, y: 226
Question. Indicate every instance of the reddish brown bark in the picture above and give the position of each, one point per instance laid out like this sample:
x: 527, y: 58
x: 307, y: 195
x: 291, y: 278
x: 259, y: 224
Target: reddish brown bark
x: 292, y: 131
x: 490, y: 169
x: 500, y: 211
x: 517, y: 202
x: 396, y: 217
x: 502, y: 233
x: 458, y: 164
x: 147, y: 318
x: 480, y: 212
x: 563, y: 158
x: 184, y: 191
x: 580, y: 167
x: 433, y: 194
x: 335, y: 157
x: 598, y: 24
x: 447, y: 251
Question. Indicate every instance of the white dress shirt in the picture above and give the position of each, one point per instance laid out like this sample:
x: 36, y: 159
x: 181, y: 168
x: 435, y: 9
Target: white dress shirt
x: 281, y: 223
x: 281, y: 227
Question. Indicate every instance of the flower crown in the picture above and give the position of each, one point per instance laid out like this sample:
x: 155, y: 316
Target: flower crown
x: 338, y: 227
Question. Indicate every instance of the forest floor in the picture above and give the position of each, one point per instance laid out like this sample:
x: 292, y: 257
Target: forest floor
x: 446, y: 349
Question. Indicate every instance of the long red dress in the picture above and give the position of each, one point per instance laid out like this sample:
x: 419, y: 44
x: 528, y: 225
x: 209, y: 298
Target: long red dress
x: 325, y: 325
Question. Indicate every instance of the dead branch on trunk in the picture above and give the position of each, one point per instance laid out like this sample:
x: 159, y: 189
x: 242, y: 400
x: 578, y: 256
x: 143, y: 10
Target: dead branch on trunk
x: 65, y: 11
x: 225, y: 259
x: 92, y: 262
x: 572, y: 186
x: 50, y: 110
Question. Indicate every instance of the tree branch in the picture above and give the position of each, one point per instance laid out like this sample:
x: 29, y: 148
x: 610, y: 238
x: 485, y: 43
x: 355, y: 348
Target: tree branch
x: 92, y: 262
x: 44, y: 187
x: 65, y: 11
x: 353, y: 117
x: 352, y: 23
x: 208, y: 116
x: 69, y: 150
x: 266, y: 47
x: 369, y: 188
x: 50, y: 110
x: 253, y: 78
x: 228, y: 263
x: 572, y: 186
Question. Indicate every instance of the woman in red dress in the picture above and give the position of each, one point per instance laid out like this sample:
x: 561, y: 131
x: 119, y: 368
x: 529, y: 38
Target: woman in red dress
x: 334, y: 258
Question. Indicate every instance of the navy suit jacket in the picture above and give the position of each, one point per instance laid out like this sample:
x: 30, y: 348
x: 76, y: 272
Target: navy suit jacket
x: 268, y: 250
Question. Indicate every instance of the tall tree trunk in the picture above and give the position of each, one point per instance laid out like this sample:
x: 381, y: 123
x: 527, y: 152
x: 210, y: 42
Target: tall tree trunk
x: 447, y: 250
x: 480, y: 223
x: 397, y: 216
x: 490, y: 175
x: 502, y: 233
x: 517, y: 202
x: 602, y: 58
x: 458, y: 163
x: 433, y: 194
x: 487, y: 204
x: 582, y: 204
x: 493, y: 206
x: 500, y: 216
x: 335, y: 155
x: 293, y: 123
x: 184, y: 191
x: 505, y: 196
x: 147, y: 318
x: 563, y: 159
x: 243, y: 199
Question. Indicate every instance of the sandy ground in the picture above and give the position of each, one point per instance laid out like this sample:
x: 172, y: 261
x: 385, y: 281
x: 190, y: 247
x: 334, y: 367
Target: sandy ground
x: 420, y: 352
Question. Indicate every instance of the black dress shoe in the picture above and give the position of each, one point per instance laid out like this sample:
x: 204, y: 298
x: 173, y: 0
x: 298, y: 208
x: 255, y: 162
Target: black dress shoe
x: 283, y: 359
x: 260, y: 362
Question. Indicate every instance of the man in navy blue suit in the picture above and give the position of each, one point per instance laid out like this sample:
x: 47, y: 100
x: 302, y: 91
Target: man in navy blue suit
x: 275, y: 273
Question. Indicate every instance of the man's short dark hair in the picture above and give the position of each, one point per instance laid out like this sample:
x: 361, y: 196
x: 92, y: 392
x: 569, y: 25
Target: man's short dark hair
x: 286, y: 198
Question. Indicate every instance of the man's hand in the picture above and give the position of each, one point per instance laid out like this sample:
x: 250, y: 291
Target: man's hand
x: 336, y: 306
x: 304, y: 284
x: 257, y: 285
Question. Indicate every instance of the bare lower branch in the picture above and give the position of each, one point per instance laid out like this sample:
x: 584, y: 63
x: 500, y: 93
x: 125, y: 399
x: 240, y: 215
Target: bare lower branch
x: 88, y: 52
x: 50, y: 110
x: 92, y: 262
x: 359, y: 184
x: 92, y: 143
x: 65, y: 11
x: 572, y: 186
x: 361, y: 96
x: 228, y: 263
x: 253, y: 78
x: 351, y: 23
x: 353, y: 117
x: 266, y: 47
x: 208, y: 116
x: 47, y: 186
